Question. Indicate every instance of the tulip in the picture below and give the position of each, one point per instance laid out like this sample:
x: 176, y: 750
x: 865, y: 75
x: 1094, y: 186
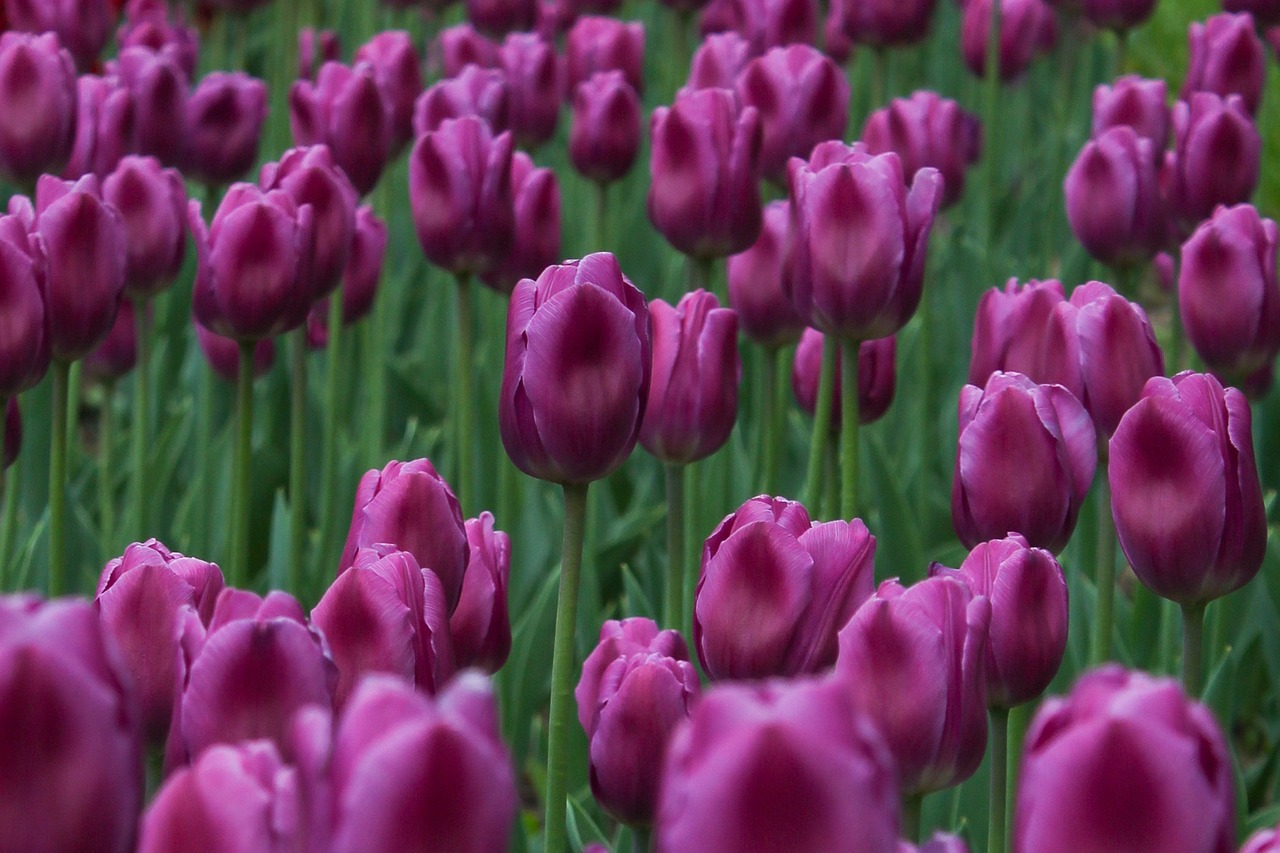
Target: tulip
x: 223, y: 354
x: 398, y: 73
x: 1216, y: 156
x: 147, y: 25
x: 345, y: 110
x: 1083, y: 752
x: 1118, y: 15
x: 1027, y: 28
x: 24, y: 347
x: 410, y: 772
x: 718, y: 60
x: 1265, y: 12
x: 459, y: 46
x: 537, y: 225
x: 479, y: 92
x: 620, y: 639
x: 927, y: 131
x: 605, y: 134
x: 1228, y: 295
x: 912, y: 660
x: 498, y: 17
x: 1265, y: 840
x: 158, y: 86
x: 604, y: 44
x: 82, y: 26
x: 481, y: 626
x: 1226, y: 58
x: 1113, y: 198
x: 38, y: 85
x: 364, y: 265
x: 777, y: 767
x: 533, y: 75
x: 755, y: 283
x: 152, y: 203
x: 104, y: 127
x: 315, y: 48
x: 763, y: 23
x: 1133, y: 102
x: 886, y: 23
x: 224, y: 119
x: 876, y: 377
x: 802, y: 98
x: 118, y: 352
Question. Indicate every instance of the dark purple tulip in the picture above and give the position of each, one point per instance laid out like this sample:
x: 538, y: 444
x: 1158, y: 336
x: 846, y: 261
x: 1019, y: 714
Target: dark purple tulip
x: 412, y: 773
x: 605, y: 134
x: 1014, y: 330
x: 755, y: 283
x: 364, y: 265
x: 224, y: 123
x: 459, y: 46
x: 498, y: 17
x: 147, y: 25
x: 1216, y: 156
x: 223, y: 354
x: 481, y: 626
x: 537, y: 225
x: 782, y: 766
x: 476, y: 91
x: 345, y: 109
x: 1265, y: 12
x: 835, y: 42
x: 577, y: 371
x: 1084, y: 752
x: 620, y: 639
x: 1226, y: 58
x: 802, y: 98
x: 632, y: 707
x: 704, y: 192
x: 1135, y: 102
x: 912, y: 659
x: 886, y: 23
x: 1228, y: 295
x: 1028, y: 635
x: 1024, y: 463
x: 460, y: 193
x: 775, y: 588
x: 533, y: 74
x: 25, y: 342
x: 253, y: 276
x: 927, y: 130
x: 859, y: 240
x: 718, y: 60
x: 693, y: 393
x: 104, y: 127
x: 398, y: 72
x: 12, y: 433
x: 82, y: 26
x: 763, y: 23
x: 604, y: 44
x: 38, y: 88
x: 158, y: 86
x: 876, y: 377
x: 315, y: 48
x: 410, y: 506
x: 1114, y: 204
x: 1119, y: 15
x: 385, y: 613
x: 1185, y: 491
x: 1027, y: 28
x: 152, y: 202
x: 118, y: 352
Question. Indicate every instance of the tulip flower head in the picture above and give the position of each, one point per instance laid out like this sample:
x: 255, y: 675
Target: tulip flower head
x: 1215, y: 158
x: 38, y: 83
x: 224, y: 118
x: 927, y: 130
x: 1027, y: 28
x: 481, y: 625
x: 1134, y: 102
x: 1226, y: 58
x: 398, y: 72
x: 345, y: 110
x: 756, y: 290
x: 876, y: 377
x: 605, y: 134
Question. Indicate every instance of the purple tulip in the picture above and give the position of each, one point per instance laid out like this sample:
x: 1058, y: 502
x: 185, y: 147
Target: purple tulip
x: 476, y: 91
x: 1263, y: 841
x: 777, y: 767
x: 70, y: 719
x: 315, y: 48
x: 459, y: 46
x: 1024, y: 463
x: 912, y: 660
x: 82, y: 26
x: 104, y: 127
x: 802, y: 98
x: 605, y: 134
x: 577, y: 371
x: 927, y: 131
x: 1228, y: 295
x: 876, y: 377
x: 481, y: 626
x: 118, y: 352
x: 38, y: 87
x: 537, y: 225
x: 410, y: 772
x: 718, y: 60
x: 1265, y: 12
x: 755, y: 278
x: 604, y: 44
x: 398, y: 73
x: 886, y: 23
x: 1119, y: 15
x: 25, y: 345
x: 498, y: 17
x: 619, y: 639
x: 224, y: 123
x: 152, y: 202
x: 1184, y: 489
x: 1114, y: 204
x: 1084, y: 752
x: 1226, y: 58
x: 763, y: 23
x: 12, y: 434
x: 364, y: 265
x: 1027, y: 28
x: 1216, y: 156
x: 223, y: 354
x: 158, y: 86
x: 147, y: 25
x: 775, y: 588
x: 345, y: 110
x: 1135, y: 102
x: 533, y: 74
x: 859, y: 240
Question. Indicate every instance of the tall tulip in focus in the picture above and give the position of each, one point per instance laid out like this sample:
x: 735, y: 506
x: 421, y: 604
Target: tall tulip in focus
x: 574, y: 386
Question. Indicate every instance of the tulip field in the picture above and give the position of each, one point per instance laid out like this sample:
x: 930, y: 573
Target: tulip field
x: 612, y: 426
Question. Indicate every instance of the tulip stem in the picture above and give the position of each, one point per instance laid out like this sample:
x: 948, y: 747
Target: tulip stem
x: 297, y: 456
x: 673, y: 604
x: 106, y: 495
x: 379, y: 350
x: 333, y: 407
x: 848, y: 429
x: 464, y: 415
x: 599, y: 231
x: 244, y: 447
x: 991, y: 121
x: 202, y: 478
x: 879, y: 76
x: 641, y: 839
x: 821, y: 421
x: 575, y: 510
x: 770, y: 431
x: 1105, y: 572
x: 141, y: 434
x: 997, y: 804
x: 912, y: 805
x: 1193, y: 649
x: 58, y: 481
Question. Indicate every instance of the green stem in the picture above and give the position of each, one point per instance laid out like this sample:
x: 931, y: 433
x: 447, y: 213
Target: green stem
x: 1193, y: 649
x: 848, y: 429
x: 641, y: 839
x: 243, y: 459
x: 821, y: 420
x: 1019, y: 719
x: 562, y: 669
x: 998, y: 802
x: 879, y: 76
x: 58, y: 481
x: 297, y: 456
x: 202, y: 508
x: 830, y: 505
x: 1122, y: 51
x: 770, y: 421
x: 334, y: 365
x: 465, y: 415
x: 991, y: 121
x: 600, y: 231
x: 106, y: 477
x: 379, y: 351
x: 1106, y: 571
x: 912, y: 805
x: 141, y: 427
x: 673, y: 604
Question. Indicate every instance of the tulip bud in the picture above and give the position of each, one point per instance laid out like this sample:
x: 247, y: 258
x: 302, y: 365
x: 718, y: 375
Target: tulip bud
x: 481, y: 626
x: 152, y: 203
x: 1228, y: 295
x: 537, y: 225
x: 147, y: 25
x: 577, y: 371
x: 1216, y: 156
x: 223, y: 354
x: 1072, y: 796
x: 104, y: 127
x: 718, y: 60
x: 38, y: 85
x: 345, y: 110
x: 763, y: 23
x: 479, y: 92
x: 803, y: 99
x: 224, y: 122
x: 82, y: 26
x: 800, y: 580
x: 1024, y: 463
x: 777, y: 767
x: 1133, y: 102
x: 498, y: 17
x: 457, y: 47
x: 1188, y: 437
x: 24, y: 347
x: 398, y: 73
x: 912, y: 660
x: 409, y: 770
x: 859, y: 240
x: 619, y: 639
x: 704, y: 195
x: 1027, y: 28
x: 604, y: 44
x: 1014, y: 330
x: 315, y: 48
x: 1028, y: 635
x: 1226, y: 58
x: 927, y: 130
x: 1114, y: 204
x: 755, y: 283
x: 533, y: 75
x: 1118, y: 15
x: 876, y: 377
x: 605, y: 133
x: 118, y: 352
x: 158, y: 86
x: 886, y: 23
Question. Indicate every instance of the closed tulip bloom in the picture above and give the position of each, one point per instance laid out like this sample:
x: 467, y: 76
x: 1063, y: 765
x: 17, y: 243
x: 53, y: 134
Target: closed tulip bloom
x: 398, y: 72
x: 718, y: 60
x: 1228, y: 294
x: 533, y: 75
x: 147, y: 25
x: 104, y: 126
x: 364, y: 265
x: 619, y: 639
x: 763, y: 23
x: 577, y: 371
x: 927, y: 130
x: 860, y: 235
x: 1135, y: 102
x: 704, y: 192
x: 223, y: 354
x: 604, y: 44
x: 1084, y: 751
x: 1265, y: 12
x: 800, y: 581
x: 224, y: 120
x: 345, y: 110
x: 498, y: 17
x: 605, y: 134
x: 38, y: 85
x: 835, y: 42
x: 1114, y: 204
x: 82, y: 26
x: 25, y: 342
x: 1024, y: 463
x: 1027, y: 28
x: 152, y: 202
x: 537, y: 225
x: 803, y: 99
x: 1216, y: 156
x: 159, y: 89
x: 459, y: 46
x: 755, y: 283
x: 118, y: 352
x: 1119, y: 15
x: 876, y: 377
x: 476, y: 91
x: 481, y: 626
x: 1016, y: 330
x: 315, y: 48
x: 410, y: 772
x: 886, y: 23
x: 1227, y: 58
x: 1185, y: 492
x: 912, y: 660
x: 777, y: 767
x: 253, y: 276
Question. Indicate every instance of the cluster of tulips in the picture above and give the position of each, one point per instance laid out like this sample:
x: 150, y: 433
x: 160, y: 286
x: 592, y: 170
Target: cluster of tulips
x: 784, y: 696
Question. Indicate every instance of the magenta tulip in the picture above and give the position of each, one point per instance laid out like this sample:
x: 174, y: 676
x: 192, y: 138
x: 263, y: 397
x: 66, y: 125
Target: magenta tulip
x: 537, y: 225
x: 1216, y: 156
x: 1265, y: 12
x: 533, y: 73
x: 1265, y: 840
x: 877, y: 377
x: 223, y: 354
x: 1027, y: 28
x: 1119, y: 15
x: 224, y: 120
x: 476, y: 91
x: 1134, y: 102
x: 755, y: 278
x: 398, y: 73
x: 927, y: 131
x: 158, y: 85
x: 152, y: 203
x: 364, y: 265
x: 104, y: 127
x: 763, y: 23
x: 82, y: 26
x: 1114, y: 204
x: 498, y: 17
x: 604, y: 44
x: 481, y: 625
x: 118, y: 352
x: 886, y: 23
x: 1226, y: 58
x: 38, y: 85
x: 25, y: 344
x: 147, y: 24
x: 315, y: 48
x: 459, y: 46
x: 620, y: 639
x: 718, y: 60
x: 605, y: 134
x: 345, y: 110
